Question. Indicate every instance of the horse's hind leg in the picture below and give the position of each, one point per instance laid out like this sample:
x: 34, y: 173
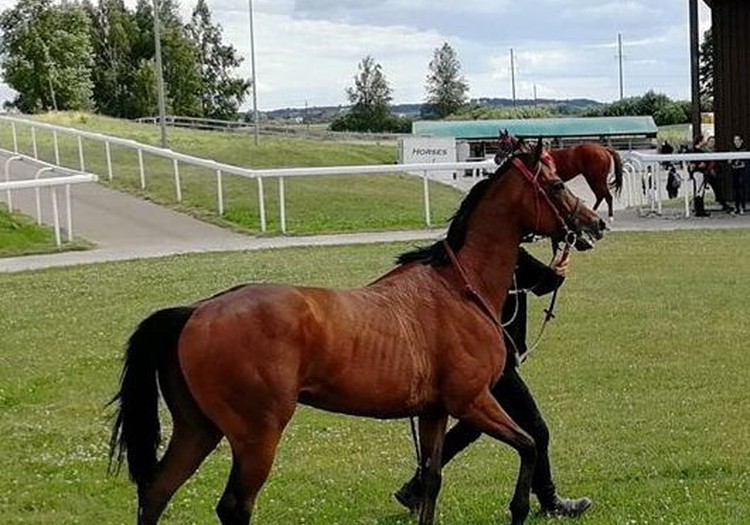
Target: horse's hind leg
x: 193, y: 438
x: 610, y: 206
x: 187, y: 449
x: 486, y: 415
x: 598, y: 202
x: 252, y: 458
x: 431, y: 438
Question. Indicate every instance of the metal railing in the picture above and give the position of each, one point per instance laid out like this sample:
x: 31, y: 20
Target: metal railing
x: 53, y: 183
x: 220, y: 169
x: 647, y: 169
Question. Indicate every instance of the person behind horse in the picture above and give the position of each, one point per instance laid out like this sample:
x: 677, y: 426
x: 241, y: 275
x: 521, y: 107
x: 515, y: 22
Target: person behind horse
x: 513, y: 394
x: 739, y: 174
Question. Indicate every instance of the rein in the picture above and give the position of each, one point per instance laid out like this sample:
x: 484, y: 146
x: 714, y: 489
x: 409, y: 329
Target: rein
x: 469, y: 289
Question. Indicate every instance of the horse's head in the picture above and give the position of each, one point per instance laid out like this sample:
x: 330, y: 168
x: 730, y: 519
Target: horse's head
x: 550, y: 208
x: 507, y: 144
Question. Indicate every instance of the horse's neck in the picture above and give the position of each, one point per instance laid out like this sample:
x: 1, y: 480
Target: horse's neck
x: 489, y: 258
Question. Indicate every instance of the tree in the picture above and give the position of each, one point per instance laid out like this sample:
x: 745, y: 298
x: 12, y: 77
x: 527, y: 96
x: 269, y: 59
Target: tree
x: 706, y: 71
x: 47, y: 56
x: 664, y: 110
x: 180, y: 57
x: 446, y: 88
x: 114, y: 34
x: 221, y: 94
x: 370, y: 98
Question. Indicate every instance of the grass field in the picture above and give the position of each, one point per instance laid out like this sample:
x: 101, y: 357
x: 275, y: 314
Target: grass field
x: 643, y: 378
x: 313, y: 204
x: 20, y: 235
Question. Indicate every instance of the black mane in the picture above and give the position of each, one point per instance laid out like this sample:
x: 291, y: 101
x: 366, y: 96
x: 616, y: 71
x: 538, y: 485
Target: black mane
x: 435, y: 254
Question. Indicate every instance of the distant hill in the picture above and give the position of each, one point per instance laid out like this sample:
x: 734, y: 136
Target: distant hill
x: 328, y: 113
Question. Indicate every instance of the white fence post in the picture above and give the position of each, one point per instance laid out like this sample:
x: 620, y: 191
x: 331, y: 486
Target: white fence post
x: 219, y: 193
x: 68, y: 213
x: 37, y: 195
x: 262, y: 205
x: 282, y: 205
x: 426, y: 187
x: 56, y: 217
x: 57, y: 147
x: 33, y: 142
x: 15, y: 137
x: 108, y: 152
x: 80, y: 154
x: 177, y: 183
x: 141, y: 170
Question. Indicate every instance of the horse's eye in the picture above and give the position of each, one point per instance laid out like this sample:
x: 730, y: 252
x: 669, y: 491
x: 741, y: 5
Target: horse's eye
x: 558, y: 186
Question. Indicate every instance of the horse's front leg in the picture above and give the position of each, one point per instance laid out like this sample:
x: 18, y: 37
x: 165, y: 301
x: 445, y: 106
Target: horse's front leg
x: 485, y: 414
x: 431, y: 438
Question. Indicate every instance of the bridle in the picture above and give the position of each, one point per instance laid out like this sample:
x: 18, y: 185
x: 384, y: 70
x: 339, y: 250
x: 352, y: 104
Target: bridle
x: 542, y: 196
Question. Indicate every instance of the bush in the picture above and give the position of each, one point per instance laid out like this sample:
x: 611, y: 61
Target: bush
x: 371, y: 123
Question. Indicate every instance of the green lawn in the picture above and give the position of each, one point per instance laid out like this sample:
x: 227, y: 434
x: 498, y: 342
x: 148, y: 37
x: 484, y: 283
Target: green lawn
x: 643, y: 378
x: 313, y: 204
x: 20, y: 235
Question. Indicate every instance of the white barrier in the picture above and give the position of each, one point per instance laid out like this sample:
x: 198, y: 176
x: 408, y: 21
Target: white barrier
x: 220, y: 169
x: 650, y: 168
x: 53, y: 183
x: 37, y: 183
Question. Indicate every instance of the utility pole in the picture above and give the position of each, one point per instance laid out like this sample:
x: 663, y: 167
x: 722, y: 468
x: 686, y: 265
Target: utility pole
x: 535, y: 94
x: 160, y: 75
x: 619, y: 56
x: 513, y: 75
x: 252, y: 66
x: 695, y: 69
x: 50, y: 72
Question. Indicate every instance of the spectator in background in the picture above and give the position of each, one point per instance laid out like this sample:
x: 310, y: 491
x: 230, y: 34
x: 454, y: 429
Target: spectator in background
x: 697, y: 171
x: 739, y: 174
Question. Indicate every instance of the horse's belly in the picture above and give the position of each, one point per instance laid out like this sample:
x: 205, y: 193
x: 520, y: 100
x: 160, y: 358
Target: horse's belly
x: 385, y: 389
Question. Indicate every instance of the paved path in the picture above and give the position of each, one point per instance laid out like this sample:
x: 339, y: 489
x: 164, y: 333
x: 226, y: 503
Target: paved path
x: 124, y: 227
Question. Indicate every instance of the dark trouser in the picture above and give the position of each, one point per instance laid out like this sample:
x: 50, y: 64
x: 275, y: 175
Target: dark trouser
x: 516, y: 399
x: 738, y: 189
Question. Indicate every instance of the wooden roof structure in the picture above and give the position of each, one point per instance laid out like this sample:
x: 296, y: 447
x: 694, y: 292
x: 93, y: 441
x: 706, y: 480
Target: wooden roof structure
x: 731, y: 35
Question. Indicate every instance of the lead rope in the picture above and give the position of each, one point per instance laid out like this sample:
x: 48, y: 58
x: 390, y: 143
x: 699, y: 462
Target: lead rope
x: 549, y: 312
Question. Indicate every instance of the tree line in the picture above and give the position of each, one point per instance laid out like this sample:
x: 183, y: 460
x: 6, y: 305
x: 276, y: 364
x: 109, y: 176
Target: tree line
x: 447, y: 97
x: 100, y: 56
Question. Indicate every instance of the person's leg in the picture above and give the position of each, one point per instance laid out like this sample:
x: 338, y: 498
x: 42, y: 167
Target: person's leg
x: 737, y: 190
x: 518, y: 402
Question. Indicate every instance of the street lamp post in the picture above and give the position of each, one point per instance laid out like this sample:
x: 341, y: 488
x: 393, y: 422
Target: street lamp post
x: 160, y: 75
x: 252, y: 66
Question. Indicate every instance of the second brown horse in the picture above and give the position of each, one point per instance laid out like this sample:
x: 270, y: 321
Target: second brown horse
x: 594, y: 161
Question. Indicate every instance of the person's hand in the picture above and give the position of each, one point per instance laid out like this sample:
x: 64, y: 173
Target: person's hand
x: 561, y: 262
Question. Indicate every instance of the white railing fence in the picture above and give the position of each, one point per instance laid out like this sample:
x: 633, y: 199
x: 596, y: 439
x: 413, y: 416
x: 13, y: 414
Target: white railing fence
x: 646, y: 174
x: 53, y: 183
x: 219, y: 169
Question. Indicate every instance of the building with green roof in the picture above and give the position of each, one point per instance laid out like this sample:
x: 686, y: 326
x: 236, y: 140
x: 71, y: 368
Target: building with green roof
x: 624, y: 133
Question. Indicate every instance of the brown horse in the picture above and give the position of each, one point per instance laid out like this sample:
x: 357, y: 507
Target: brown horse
x: 594, y: 161
x: 423, y: 340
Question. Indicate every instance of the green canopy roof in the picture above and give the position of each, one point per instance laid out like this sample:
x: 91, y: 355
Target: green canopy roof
x: 543, y: 127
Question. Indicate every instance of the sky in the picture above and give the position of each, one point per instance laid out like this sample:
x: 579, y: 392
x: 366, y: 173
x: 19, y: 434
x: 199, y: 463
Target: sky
x: 307, y: 51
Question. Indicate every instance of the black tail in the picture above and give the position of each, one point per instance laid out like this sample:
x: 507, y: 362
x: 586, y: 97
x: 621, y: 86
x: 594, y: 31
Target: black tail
x: 617, y: 183
x: 136, y: 431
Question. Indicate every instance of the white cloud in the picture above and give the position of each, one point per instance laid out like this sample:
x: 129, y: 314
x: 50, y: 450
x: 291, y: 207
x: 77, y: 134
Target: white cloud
x: 308, y: 50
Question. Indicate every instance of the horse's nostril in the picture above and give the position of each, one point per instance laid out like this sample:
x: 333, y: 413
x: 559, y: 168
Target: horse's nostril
x: 602, y: 225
